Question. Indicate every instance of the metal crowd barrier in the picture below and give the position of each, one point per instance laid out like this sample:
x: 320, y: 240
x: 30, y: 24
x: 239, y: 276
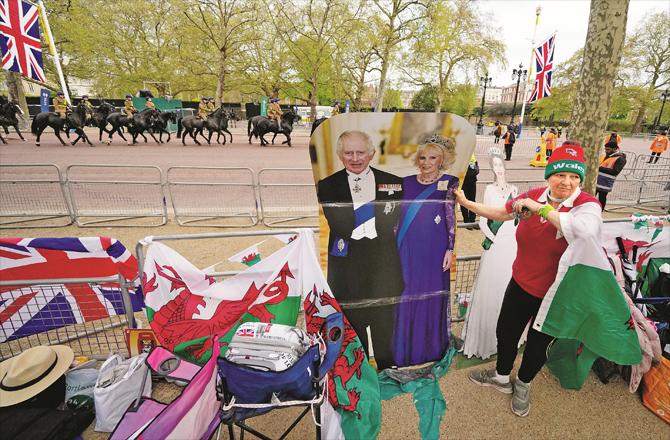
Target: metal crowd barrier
x: 522, y: 186
x: 33, y: 196
x: 116, y: 195
x: 291, y: 204
x: 139, y: 247
x: 466, y: 269
x: 525, y: 146
x: 94, y: 338
x: 213, y: 196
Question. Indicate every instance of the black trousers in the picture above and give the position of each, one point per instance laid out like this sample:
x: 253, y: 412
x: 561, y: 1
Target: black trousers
x: 470, y: 190
x: 496, y: 140
x: 518, y: 308
x: 602, y: 197
x: 508, y: 151
x: 381, y: 321
x: 654, y: 157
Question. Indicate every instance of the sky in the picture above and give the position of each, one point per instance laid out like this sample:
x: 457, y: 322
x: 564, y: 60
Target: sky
x: 516, y: 18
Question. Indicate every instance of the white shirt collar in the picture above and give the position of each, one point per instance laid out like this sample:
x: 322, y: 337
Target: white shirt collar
x: 568, y: 203
x: 363, y: 175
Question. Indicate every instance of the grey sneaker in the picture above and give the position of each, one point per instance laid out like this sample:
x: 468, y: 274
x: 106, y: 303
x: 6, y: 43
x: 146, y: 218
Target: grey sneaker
x: 487, y: 378
x: 521, y: 399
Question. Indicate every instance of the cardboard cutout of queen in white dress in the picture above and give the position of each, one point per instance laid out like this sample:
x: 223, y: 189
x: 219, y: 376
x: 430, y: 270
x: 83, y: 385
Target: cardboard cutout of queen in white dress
x: 495, y: 268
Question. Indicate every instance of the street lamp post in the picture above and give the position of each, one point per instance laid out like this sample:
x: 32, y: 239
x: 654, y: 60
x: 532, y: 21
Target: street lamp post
x: 484, y: 81
x: 518, y: 74
x: 664, y: 96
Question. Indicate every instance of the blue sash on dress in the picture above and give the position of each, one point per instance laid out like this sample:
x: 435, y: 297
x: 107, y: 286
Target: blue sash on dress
x: 413, y: 210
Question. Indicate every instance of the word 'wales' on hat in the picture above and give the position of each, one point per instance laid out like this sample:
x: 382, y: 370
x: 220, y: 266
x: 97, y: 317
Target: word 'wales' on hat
x: 31, y: 372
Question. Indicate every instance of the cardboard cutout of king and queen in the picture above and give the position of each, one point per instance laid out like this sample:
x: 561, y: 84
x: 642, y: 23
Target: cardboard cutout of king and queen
x: 385, y: 183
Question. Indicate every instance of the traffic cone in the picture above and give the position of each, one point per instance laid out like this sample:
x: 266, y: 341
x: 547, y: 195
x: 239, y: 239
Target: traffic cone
x: 540, y: 159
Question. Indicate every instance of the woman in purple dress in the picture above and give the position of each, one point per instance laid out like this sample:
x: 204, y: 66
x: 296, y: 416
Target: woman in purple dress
x: 425, y: 241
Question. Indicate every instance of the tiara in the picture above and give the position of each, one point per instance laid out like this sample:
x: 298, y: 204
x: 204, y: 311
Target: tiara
x: 439, y: 140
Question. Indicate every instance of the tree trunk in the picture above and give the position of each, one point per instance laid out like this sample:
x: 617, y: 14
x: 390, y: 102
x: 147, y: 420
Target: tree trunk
x: 15, y: 93
x: 639, y: 118
x: 221, y: 80
x: 313, y: 100
x: 382, y: 81
x: 602, y: 54
x: 439, y: 99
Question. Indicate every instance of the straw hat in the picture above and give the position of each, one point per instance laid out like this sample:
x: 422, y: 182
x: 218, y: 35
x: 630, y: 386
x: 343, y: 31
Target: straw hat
x: 26, y: 375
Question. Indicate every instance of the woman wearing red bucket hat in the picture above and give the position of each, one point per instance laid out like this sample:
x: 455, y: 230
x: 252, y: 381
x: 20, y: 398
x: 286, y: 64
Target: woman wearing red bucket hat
x: 552, y: 217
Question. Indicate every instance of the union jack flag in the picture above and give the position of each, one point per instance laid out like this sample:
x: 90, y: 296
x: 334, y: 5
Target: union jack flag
x: 28, y: 309
x: 20, y: 39
x: 544, y: 63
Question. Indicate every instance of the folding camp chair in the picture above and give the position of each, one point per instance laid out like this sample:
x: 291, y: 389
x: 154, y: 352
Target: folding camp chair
x: 654, y: 291
x: 249, y: 392
x: 194, y: 414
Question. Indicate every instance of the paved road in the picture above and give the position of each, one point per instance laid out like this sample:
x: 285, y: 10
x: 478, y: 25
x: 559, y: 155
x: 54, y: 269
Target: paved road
x: 236, y: 154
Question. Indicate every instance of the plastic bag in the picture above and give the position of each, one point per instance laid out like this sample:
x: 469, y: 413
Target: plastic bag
x: 79, y: 385
x: 118, y: 385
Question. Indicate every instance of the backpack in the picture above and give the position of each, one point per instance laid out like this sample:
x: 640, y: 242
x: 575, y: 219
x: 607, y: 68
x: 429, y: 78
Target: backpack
x: 511, y: 138
x: 613, y: 138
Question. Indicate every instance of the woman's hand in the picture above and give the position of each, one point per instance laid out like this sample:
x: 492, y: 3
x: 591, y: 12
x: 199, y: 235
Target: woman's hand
x: 460, y: 196
x: 446, y: 264
x: 530, y: 204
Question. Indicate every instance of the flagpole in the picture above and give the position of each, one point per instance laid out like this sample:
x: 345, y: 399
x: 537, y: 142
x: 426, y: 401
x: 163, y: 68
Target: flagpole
x: 530, y: 68
x: 52, y: 48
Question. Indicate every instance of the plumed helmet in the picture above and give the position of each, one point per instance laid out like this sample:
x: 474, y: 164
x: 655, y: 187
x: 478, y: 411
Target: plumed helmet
x: 60, y: 93
x: 84, y: 97
x: 148, y: 98
x: 129, y: 96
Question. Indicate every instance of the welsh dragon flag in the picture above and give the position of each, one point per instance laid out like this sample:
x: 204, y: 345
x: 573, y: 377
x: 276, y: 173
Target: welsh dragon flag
x: 586, y: 311
x: 185, y: 306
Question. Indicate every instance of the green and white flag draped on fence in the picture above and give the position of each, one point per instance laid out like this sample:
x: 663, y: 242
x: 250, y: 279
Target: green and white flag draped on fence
x: 185, y: 306
x: 585, y: 309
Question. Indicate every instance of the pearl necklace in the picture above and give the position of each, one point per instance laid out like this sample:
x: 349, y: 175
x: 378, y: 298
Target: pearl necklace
x: 427, y: 181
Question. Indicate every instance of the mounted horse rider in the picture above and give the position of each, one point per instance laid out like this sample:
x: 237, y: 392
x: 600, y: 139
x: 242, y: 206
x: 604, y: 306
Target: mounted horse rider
x: 274, y: 111
x: 204, y: 108
x: 87, y: 103
x: 335, y: 110
x: 60, y: 105
x: 128, y: 107
x: 150, y: 103
x: 211, y: 105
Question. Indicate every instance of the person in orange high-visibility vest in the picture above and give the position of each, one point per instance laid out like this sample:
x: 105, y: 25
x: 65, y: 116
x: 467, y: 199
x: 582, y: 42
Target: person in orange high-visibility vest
x: 551, y: 141
x: 614, y: 136
x: 609, y: 168
x: 658, y: 146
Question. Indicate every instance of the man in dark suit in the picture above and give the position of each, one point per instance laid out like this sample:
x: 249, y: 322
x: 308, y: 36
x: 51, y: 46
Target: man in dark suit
x: 361, y: 206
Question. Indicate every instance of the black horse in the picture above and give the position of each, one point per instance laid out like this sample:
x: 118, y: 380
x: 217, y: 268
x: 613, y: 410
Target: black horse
x: 74, y: 120
x: 220, y: 129
x: 99, y: 118
x: 194, y: 126
x: 233, y: 117
x: 161, y: 123
x: 118, y: 120
x: 262, y: 125
x: 144, y: 121
x: 8, y: 111
x: 316, y: 124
